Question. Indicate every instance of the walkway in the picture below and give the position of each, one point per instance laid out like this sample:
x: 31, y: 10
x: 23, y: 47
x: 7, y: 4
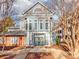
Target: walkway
x: 22, y: 54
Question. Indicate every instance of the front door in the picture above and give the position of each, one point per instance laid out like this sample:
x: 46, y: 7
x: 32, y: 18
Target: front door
x: 39, y: 40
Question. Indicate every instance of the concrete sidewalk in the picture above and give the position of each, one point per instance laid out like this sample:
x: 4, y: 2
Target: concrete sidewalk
x: 22, y: 54
x: 11, y: 52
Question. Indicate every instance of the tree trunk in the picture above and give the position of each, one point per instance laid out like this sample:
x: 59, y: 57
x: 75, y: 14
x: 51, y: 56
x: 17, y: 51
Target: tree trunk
x: 3, y: 44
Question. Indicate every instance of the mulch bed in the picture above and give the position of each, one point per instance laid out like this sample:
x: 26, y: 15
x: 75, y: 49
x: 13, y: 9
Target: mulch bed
x: 3, y: 55
x: 30, y: 46
x: 40, y: 55
x: 7, y: 47
x: 10, y: 57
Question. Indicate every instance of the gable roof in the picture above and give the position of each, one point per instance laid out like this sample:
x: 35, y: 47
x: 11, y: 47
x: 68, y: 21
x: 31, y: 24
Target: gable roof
x: 35, y: 5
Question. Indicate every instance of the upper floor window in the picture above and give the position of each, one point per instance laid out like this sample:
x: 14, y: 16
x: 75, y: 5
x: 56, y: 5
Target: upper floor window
x: 41, y: 25
x: 35, y: 25
x: 46, y: 26
x: 30, y: 20
x: 30, y: 26
x: 26, y: 26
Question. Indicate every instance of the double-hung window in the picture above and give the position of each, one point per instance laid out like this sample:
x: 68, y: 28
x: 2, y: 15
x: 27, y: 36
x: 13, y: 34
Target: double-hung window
x: 46, y: 25
x: 41, y: 25
x: 35, y: 26
x: 26, y: 26
x: 30, y: 26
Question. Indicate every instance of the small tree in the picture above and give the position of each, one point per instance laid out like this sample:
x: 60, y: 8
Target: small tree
x: 57, y: 41
x: 71, y: 41
x: 7, y: 22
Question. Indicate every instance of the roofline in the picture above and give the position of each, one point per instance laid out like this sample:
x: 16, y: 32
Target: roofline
x: 35, y: 5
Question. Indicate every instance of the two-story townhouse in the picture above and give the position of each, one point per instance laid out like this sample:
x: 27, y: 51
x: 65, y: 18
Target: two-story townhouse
x: 37, y: 22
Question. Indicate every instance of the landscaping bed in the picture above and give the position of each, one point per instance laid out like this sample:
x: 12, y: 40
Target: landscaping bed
x: 40, y: 55
x: 7, y: 47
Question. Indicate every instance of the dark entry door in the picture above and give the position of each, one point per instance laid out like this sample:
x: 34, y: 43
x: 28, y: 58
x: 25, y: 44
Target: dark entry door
x: 39, y: 40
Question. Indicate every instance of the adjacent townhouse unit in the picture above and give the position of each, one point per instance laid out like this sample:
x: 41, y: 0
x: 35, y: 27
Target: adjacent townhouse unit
x: 58, y: 30
x: 13, y: 37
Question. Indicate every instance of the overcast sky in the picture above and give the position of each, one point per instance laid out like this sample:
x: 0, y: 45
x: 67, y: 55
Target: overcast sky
x: 20, y: 6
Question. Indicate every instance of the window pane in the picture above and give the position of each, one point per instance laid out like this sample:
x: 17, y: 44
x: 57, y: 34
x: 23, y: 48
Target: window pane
x: 30, y: 26
x: 26, y: 26
x: 41, y: 25
x: 35, y: 25
x: 46, y: 26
